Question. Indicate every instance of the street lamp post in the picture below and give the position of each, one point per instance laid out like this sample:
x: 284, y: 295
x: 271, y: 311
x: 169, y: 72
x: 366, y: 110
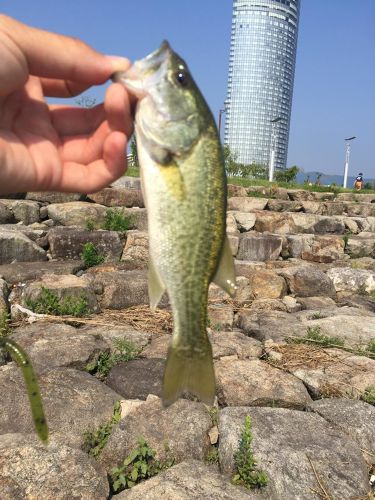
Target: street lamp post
x: 221, y: 112
x: 271, y: 168
x: 347, y: 157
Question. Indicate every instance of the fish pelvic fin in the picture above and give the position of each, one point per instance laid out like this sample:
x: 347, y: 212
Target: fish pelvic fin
x: 189, y: 370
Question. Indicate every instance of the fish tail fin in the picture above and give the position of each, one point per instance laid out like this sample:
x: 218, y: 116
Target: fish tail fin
x: 184, y: 372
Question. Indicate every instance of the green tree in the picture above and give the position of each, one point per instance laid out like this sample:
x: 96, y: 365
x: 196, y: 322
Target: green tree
x: 287, y: 175
x: 232, y: 166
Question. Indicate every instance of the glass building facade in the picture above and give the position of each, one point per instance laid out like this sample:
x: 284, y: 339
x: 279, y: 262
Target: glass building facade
x: 260, y: 82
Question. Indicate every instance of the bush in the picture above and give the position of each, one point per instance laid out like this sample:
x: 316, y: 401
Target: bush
x: 90, y: 255
x: 49, y: 303
x: 115, y: 221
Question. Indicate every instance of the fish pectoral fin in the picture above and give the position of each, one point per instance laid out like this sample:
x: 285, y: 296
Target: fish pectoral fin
x: 194, y: 374
x: 225, y: 276
x: 156, y: 287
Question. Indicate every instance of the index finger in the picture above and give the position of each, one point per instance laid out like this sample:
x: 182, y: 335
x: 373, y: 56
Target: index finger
x: 50, y: 55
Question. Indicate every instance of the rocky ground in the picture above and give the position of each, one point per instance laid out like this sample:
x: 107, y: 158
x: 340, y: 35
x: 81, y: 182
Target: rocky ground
x: 294, y: 350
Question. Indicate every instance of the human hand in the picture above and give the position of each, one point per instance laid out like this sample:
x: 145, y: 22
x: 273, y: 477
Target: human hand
x: 58, y: 148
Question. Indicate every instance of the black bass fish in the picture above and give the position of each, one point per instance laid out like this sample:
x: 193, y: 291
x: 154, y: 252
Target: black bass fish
x: 184, y: 187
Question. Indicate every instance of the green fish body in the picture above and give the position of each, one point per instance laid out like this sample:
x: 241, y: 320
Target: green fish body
x: 184, y: 187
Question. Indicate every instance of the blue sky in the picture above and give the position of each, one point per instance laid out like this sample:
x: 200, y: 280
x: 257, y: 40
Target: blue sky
x: 334, y: 90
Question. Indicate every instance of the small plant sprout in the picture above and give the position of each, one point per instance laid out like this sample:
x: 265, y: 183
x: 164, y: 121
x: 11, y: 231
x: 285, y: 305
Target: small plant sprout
x: 90, y: 255
x: 246, y: 465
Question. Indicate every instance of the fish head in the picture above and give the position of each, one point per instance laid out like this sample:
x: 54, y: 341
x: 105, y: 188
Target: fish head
x: 171, y: 112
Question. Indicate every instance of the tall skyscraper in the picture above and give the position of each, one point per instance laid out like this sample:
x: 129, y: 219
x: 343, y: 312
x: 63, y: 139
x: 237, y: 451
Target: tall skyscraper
x: 260, y: 82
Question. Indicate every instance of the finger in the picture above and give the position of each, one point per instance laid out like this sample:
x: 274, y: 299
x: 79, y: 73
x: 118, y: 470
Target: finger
x: 72, y: 121
x: 62, y: 88
x: 98, y: 174
x: 56, y: 56
x: 119, y: 109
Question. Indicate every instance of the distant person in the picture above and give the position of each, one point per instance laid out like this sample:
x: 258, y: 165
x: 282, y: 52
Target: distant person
x: 359, y: 182
x: 58, y: 147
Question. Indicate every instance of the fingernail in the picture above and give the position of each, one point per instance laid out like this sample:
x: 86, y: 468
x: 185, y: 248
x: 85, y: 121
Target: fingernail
x: 119, y: 63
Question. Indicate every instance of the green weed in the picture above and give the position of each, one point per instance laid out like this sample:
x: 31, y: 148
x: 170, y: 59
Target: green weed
x: 115, y: 221
x: 90, y: 226
x: 246, y: 465
x: 96, y: 440
x: 90, y: 255
x: 371, y: 346
x: 315, y: 337
x: 123, y: 351
x: 4, y: 324
x: 212, y: 456
x: 369, y: 395
x: 139, y: 465
x: 49, y: 303
x: 316, y: 315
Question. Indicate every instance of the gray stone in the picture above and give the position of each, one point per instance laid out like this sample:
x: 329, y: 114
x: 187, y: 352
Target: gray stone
x: 234, y: 242
x: 53, y: 345
x: 220, y: 316
x: 231, y: 224
x: 317, y: 302
x: 259, y: 247
x: 138, y: 217
x: 248, y: 204
x: 52, y: 197
x: 30, y: 231
x: 325, y: 249
x: 4, y: 294
x: 256, y: 383
x: 188, y: 480
x: 268, y: 305
x: 284, y: 206
x: 348, y: 279
x: 354, y: 418
x: 340, y: 375
x: 118, y: 197
x: 138, y: 378
x: 308, y: 281
x: 246, y: 268
x: 158, y: 347
x: 234, y: 344
x: 136, y: 247
x: 77, y: 213
x: 127, y: 182
x: 113, y: 333
x: 299, y: 195
x: 24, y: 211
x: 16, y: 247
x: 182, y: 427
x: 68, y: 243
x: 29, y: 469
x: 65, y: 287
x: 74, y: 402
x: 242, y: 296
x: 27, y: 271
x: 266, y: 284
x: 122, y: 289
x: 361, y: 245
x: 245, y: 221
x: 307, y: 442
x: 275, y: 222
x: 6, y: 215
x: 234, y: 190
x: 269, y: 324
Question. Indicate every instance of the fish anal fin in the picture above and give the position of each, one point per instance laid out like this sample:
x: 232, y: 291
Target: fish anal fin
x: 225, y: 276
x: 156, y: 287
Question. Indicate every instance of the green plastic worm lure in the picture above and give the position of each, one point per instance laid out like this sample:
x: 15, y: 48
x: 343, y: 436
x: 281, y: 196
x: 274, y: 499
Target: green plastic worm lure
x: 21, y: 358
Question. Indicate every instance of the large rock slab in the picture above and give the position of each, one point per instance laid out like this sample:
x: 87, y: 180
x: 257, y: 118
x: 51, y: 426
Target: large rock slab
x: 310, y: 447
x: 265, y: 325
x: 246, y: 204
x: 6, y: 215
x: 122, y: 289
x: 234, y: 344
x: 325, y: 249
x: 64, y: 287
x: 136, y: 248
x: 161, y: 428
x: 361, y: 245
x: 308, y: 281
x: 16, y: 247
x: 259, y: 247
x: 245, y: 221
x: 138, y: 378
x: 74, y: 402
x: 77, y: 213
x: 24, y: 211
x: 27, y: 271
x: 284, y: 206
x: 187, y: 480
x: 29, y: 469
x: 354, y: 418
x: 52, y: 345
x: 68, y: 243
x: 255, y: 383
x: 352, y: 280
x: 52, y: 197
x: 266, y: 284
x: 118, y: 197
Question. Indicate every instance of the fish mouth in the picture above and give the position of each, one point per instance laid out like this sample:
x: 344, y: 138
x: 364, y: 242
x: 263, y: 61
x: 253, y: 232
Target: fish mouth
x: 146, y: 72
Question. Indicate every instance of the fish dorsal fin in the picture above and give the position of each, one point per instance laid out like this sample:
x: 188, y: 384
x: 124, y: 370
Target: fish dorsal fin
x: 156, y: 287
x: 225, y: 276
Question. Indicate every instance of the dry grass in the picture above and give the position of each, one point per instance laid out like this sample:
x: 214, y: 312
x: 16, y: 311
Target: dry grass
x: 296, y: 356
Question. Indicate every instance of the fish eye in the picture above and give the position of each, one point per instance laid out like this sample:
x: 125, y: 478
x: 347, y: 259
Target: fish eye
x: 181, y: 78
